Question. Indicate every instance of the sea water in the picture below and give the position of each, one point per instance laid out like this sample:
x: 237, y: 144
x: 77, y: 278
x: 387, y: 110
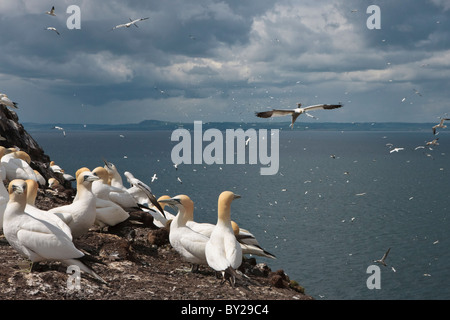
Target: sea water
x: 339, y: 200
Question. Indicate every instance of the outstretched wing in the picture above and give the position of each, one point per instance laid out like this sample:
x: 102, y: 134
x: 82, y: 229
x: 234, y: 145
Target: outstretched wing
x: 274, y: 113
x: 322, y: 106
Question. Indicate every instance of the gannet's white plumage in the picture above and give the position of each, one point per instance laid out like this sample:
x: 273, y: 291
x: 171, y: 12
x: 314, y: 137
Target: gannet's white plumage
x: 17, y: 166
x: 109, y: 213
x: 223, y: 252
x: 30, y: 208
x: 188, y: 243
x: 295, y: 112
x: 7, y: 102
x: 81, y: 213
x: 37, y: 239
x: 103, y: 190
x: 248, y: 242
x: 40, y: 178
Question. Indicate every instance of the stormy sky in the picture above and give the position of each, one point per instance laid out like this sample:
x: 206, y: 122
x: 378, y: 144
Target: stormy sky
x: 215, y: 60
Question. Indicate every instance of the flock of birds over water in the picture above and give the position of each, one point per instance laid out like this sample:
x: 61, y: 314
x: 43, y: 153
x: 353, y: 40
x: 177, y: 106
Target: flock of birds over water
x: 103, y: 200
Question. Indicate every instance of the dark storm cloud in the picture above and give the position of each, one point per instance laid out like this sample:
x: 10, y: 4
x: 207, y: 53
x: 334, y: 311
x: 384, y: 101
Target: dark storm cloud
x: 212, y: 55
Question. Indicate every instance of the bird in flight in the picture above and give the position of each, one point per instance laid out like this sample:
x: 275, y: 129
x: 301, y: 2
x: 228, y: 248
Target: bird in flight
x: 51, y: 12
x: 295, y: 112
x: 52, y: 29
x: 61, y: 129
x: 440, y: 125
x: 128, y: 24
x: 382, y: 260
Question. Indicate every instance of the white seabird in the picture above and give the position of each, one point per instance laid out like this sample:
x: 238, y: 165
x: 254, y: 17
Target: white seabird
x: 223, y: 252
x: 188, y: 243
x: 17, y: 166
x: 60, y: 129
x: 52, y: 29
x: 115, y: 179
x: 432, y: 142
x: 128, y: 24
x: 32, y: 188
x: 7, y: 102
x: 81, y: 213
x: 382, y: 260
x: 396, y: 150
x: 38, y: 239
x: 51, y: 12
x: 295, y: 112
x: 440, y: 125
x: 101, y: 189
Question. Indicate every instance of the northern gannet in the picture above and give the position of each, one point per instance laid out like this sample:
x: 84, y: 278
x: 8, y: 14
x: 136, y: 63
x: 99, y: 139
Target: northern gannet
x: 51, y: 12
x: 432, y: 142
x: 101, y: 189
x: 52, y: 29
x: 128, y: 24
x: 396, y: 150
x: 17, y: 166
x: 7, y: 102
x: 188, y: 243
x: 39, y: 177
x: 114, y: 176
x: 60, y: 129
x: 81, y: 213
x: 38, y: 239
x: 248, y: 242
x: 382, y: 260
x: 30, y: 208
x: 440, y: 125
x: 295, y: 112
x: 223, y: 252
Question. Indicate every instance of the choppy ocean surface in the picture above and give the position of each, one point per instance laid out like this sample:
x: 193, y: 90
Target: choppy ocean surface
x: 325, y: 218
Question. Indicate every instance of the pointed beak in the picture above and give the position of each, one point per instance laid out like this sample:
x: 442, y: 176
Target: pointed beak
x: 236, y: 196
x: 91, y: 177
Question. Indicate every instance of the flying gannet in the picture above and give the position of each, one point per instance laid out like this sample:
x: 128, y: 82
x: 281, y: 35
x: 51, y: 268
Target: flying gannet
x: 295, y: 112
x: 128, y: 24
x: 60, y: 129
x: 432, y: 142
x: 7, y: 102
x: 52, y: 29
x: 440, y: 125
x: 51, y: 12
x: 38, y: 239
x: 223, y: 252
x: 382, y: 260
x: 81, y: 213
x: 188, y: 243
